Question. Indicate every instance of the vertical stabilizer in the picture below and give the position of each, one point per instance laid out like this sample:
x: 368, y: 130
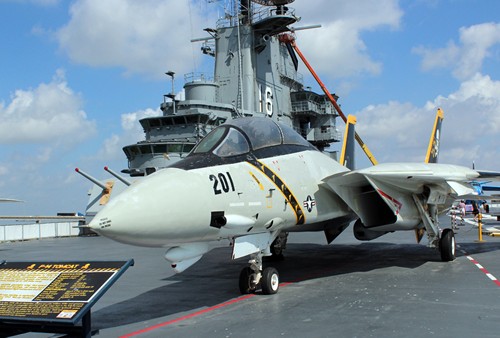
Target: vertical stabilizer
x: 347, y: 153
x: 433, y: 148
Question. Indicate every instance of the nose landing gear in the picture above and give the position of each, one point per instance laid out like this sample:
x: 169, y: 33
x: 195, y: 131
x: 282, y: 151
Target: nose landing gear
x: 253, y: 275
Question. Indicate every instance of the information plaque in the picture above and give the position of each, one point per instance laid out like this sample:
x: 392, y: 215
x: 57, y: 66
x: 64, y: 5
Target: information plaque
x: 55, y: 292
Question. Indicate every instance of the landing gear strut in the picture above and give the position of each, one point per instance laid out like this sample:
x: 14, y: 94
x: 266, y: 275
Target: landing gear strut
x: 445, y: 240
x: 253, y: 275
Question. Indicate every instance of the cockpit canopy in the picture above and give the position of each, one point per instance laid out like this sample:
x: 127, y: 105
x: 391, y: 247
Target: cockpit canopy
x: 241, y: 136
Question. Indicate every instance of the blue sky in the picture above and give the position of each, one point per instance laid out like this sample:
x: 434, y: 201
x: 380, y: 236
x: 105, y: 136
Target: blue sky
x: 76, y: 76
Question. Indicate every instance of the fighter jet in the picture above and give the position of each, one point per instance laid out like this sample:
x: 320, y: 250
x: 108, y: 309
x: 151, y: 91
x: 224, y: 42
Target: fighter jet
x: 251, y: 181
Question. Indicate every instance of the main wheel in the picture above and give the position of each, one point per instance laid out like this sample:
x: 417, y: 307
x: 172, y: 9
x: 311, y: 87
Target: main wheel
x: 447, y: 245
x: 246, y: 281
x: 270, y: 281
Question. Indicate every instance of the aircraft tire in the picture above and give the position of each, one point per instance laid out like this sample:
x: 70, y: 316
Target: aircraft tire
x: 245, y: 282
x: 270, y: 281
x: 447, y: 245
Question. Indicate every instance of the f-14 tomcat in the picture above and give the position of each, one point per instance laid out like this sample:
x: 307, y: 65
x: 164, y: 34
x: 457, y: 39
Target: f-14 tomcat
x: 253, y: 180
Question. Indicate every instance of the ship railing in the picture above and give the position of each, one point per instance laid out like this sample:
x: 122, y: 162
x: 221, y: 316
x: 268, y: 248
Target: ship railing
x: 198, y: 77
x: 265, y: 12
x: 307, y: 107
x: 327, y: 134
x: 259, y: 13
x: 38, y: 227
x: 330, y: 133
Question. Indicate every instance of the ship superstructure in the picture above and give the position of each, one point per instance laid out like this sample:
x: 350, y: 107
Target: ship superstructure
x: 255, y: 74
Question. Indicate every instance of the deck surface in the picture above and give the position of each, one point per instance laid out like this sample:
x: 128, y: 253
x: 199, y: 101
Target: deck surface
x: 388, y: 287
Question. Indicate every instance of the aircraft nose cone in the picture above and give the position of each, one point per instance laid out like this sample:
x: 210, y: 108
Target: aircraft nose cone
x: 167, y: 207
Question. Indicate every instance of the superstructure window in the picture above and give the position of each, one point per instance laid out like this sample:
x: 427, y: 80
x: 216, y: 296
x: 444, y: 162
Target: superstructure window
x: 175, y: 148
x: 145, y: 149
x: 159, y: 148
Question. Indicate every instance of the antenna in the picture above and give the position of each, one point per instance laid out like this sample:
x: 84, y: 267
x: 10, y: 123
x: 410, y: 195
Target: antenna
x: 172, y: 93
x: 273, y: 2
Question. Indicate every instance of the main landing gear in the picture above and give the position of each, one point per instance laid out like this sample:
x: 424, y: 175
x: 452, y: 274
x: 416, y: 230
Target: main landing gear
x: 447, y: 245
x: 253, y: 275
x: 444, y: 240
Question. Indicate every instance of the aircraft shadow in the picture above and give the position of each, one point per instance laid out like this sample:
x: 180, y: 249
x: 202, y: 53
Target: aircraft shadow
x: 214, y: 279
x: 477, y: 248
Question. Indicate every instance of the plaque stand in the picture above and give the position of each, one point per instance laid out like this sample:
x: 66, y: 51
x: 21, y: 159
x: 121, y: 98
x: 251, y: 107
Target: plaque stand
x: 14, y: 328
x: 53, y: 297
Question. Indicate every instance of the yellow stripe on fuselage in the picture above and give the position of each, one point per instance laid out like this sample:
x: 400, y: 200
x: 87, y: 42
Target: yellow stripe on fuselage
x: 261, y: 186
x: 280, y: 184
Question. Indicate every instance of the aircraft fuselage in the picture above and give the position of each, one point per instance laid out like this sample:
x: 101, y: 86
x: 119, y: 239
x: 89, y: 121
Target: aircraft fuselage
x: 176, y: 206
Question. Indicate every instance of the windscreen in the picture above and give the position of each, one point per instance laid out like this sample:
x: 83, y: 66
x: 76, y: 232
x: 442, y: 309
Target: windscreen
x: 209, y: 141
x: 234, y: 144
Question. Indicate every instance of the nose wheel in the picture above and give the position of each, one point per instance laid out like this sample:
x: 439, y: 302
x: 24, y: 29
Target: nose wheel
x: 270, y: 282
x: 252, y: 276
x: 247, y: 281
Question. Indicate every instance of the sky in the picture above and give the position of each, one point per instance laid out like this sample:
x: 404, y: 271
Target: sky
x: 76, y: 77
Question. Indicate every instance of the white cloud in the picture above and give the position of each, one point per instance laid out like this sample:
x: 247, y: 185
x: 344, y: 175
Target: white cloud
x: 111, y: 148
x: 466, y: 58
x: 150, y: 37
x: 337, y: 49
x: 130, y: 121
x: 400, y: 132
x: 42, y: 127
x: 440, y: 57
x: 476, y: 105
x: 395, y: 131
x: 132, y: 133
x: 143, y: 37
x: 51, y: 114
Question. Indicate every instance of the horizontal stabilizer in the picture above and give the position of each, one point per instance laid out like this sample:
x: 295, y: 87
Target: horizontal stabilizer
x: 487, y: 174
x: 474, y: 197
x: 489, y: 188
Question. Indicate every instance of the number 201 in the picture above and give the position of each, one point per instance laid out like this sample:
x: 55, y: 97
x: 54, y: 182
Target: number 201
x: 221, y: 183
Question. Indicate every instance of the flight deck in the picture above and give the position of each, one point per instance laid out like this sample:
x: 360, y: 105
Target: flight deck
x: 387, y: 287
